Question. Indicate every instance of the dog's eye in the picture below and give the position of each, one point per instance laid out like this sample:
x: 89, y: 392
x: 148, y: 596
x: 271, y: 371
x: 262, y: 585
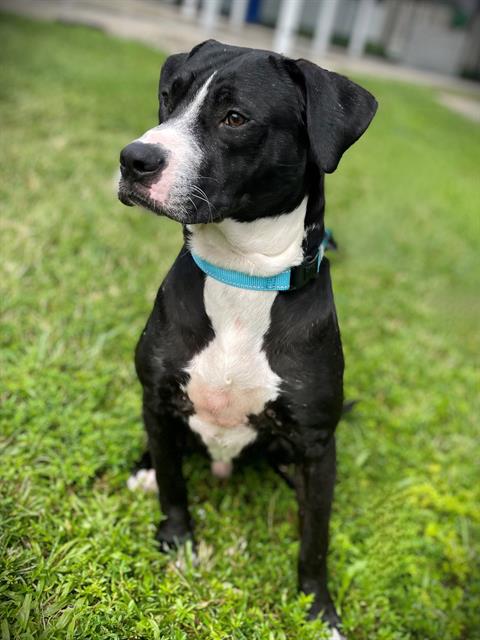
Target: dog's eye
x: 234, y: 119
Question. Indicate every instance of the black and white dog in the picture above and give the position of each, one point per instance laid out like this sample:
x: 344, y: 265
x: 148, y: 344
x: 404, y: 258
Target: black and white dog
x: 231, y: 358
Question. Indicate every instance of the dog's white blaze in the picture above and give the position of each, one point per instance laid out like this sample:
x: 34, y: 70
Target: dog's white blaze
x: 231, y: 378
x: 177, y: 136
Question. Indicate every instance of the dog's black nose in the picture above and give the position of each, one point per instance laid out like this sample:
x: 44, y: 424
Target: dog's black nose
x: 140, y: 161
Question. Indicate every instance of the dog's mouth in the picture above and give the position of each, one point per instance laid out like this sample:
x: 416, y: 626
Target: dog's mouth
x: 132, y: 195
x: 136, y: 194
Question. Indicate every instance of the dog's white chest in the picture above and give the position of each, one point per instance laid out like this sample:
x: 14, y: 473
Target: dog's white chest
x: 231, y: 378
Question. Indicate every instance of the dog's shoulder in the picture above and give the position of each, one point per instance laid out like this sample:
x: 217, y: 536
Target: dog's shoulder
x: 178, y: 326
x: 303, y: 346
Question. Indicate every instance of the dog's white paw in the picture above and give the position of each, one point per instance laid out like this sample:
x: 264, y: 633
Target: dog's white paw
x: 336, y: 635
x: 143, y: 479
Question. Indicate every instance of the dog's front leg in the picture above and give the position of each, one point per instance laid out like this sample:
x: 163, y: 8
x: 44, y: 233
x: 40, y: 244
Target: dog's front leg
x: 314, y: 482
x: 162, y: 431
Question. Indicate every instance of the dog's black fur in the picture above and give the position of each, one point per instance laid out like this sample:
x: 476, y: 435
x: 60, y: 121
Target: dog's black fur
x: 301, y: 119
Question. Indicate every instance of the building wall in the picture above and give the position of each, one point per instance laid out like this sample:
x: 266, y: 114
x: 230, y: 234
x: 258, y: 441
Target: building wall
x: 344, y: 18
x: 421, y: 35
x: 470, y: 59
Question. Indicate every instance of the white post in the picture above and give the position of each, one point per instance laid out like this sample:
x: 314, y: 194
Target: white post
x: 189, y: 9
x: 209, y: 14
x: 238, y: 13
x: 324, y: 26
x: 287, y: 23
x: 358, y: 38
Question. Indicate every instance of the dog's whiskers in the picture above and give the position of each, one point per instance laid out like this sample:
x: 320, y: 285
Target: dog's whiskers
x: 201, y: 195
x: 196, y: 209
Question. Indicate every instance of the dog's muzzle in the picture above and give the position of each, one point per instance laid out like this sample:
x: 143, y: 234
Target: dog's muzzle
x: 141, y: 165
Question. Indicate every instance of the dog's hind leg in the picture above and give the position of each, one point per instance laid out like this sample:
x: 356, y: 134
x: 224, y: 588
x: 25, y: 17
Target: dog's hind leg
x: 314, y: 483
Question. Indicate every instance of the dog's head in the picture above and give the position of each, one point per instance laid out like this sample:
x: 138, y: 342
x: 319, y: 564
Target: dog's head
x: 242, y: 134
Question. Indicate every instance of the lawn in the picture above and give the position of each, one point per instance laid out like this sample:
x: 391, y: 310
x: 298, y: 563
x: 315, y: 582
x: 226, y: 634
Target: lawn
x: 79, y: 275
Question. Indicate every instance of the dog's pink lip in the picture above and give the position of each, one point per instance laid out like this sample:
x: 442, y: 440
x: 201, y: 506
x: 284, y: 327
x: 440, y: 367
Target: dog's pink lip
x: 144, y: 200
x: 132, y: 194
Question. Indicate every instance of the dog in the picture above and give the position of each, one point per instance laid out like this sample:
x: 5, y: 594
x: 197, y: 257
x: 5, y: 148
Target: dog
x: 242, y: 351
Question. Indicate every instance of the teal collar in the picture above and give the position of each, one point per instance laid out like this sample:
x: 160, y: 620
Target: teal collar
x: 287, y: 280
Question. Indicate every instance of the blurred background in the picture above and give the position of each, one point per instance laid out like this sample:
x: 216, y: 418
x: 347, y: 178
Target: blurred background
x: 441, y: 36
x: 79, y: 273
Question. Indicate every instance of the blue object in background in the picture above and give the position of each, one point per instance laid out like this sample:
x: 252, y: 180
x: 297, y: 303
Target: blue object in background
x: 253, y: 10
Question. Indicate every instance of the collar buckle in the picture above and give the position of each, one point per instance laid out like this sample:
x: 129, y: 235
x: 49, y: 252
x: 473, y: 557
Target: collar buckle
x: 303, y: 273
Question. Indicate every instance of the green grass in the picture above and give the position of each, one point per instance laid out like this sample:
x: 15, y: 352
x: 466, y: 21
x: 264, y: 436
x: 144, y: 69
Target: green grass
x: 79, y: 276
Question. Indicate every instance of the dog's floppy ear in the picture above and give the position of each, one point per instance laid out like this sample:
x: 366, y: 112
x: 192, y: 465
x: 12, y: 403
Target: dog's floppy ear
x: 337, y: 112
x: 171, y: 64
x: 169, y: 68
